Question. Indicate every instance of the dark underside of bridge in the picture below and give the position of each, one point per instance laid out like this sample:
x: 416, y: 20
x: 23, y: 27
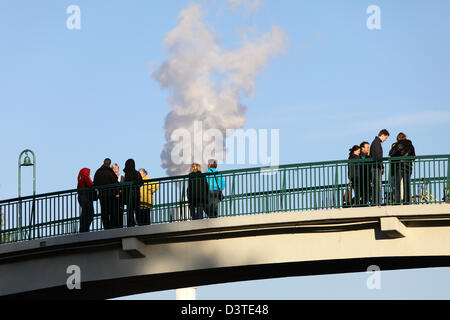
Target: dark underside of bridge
x: 107, y: 289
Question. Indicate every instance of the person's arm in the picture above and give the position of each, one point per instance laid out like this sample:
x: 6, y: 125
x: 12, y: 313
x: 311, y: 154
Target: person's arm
x: 140, y: 181
x: 88, y: 182
x: 155, y: 186
x: 95, y: 179
x: 378, y: 153
x: 394, y: 151
x: 205, y: 190
x: 413, y: 151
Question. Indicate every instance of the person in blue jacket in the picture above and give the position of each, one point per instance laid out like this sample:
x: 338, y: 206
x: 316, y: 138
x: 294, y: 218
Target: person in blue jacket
x: 216, y: 184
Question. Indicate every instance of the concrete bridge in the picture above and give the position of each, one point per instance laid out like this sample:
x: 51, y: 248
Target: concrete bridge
x: 273, y: 222
x: 121, y: 262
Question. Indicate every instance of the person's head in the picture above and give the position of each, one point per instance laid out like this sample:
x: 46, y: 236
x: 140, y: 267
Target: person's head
x: 365, y: 147
x: 115, y: 168
x: 107, y: 162
x: 130, y: 166
x: 195, y: 167
x: 212, y: 164
x: 143, y: 172
x: 84, y: 172
x: 383, y: 135
x: 355, y: 150
x: 401, y: 136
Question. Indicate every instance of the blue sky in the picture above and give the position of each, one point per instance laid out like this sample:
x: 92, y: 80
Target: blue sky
x: 78, y: 96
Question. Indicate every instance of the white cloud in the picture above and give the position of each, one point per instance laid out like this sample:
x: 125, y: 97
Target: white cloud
x: 252, y: 5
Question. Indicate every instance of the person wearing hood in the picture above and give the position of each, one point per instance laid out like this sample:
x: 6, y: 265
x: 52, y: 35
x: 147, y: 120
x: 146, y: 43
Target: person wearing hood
x: 85, y: 199
x: 402, y: 168
x: 132, y: 194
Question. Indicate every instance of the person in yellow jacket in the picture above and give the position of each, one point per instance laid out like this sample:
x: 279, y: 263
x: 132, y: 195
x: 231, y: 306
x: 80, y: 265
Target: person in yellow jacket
x: 146, y: 203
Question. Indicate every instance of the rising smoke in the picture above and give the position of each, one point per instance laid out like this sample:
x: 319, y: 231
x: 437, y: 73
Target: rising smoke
x: 207, y: 81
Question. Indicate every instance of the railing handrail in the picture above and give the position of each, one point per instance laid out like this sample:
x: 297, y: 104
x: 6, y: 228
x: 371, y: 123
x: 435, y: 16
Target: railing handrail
x: 230, y: 172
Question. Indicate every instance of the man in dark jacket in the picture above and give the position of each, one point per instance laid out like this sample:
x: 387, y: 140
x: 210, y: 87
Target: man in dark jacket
x: 402, y: 168
x: 376, y: 153
x: 109, y: 198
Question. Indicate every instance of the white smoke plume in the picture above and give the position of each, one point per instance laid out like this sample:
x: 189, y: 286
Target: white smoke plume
x: 250, y: 4
x: 207, y: 81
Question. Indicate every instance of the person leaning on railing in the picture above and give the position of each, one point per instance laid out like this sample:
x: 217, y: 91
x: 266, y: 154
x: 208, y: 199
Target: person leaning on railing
x: 85, y: 199
x: 354, y: 173
x: 197, y: 192
x: 146, y: 204
x: 216, y: 184
x: 132, y: 195
x: 109, y: 198
x: 366, y: 176
x: 402, y: 169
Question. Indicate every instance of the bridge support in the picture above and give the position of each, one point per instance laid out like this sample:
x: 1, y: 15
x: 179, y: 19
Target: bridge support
x: 133, y: 247
x: 393, y: 227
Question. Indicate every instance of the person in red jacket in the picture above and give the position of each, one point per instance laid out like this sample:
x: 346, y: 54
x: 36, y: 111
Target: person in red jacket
x: 85, y: 199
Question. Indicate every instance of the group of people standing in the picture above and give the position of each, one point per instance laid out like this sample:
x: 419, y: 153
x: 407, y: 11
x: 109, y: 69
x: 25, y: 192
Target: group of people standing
x: 137, y: 195
x: 204, y: 191
x: 366, y: 174
x: 204, y: 194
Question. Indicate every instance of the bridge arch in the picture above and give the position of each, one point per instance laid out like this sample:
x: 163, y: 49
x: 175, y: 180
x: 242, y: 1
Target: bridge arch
x: 122, y: 262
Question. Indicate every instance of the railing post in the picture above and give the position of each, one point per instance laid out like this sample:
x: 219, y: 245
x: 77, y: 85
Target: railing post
x: 336, y: 186
x: 232, y: 198
x: 283, y: 192
x: 447, y: 192
x: 391, y: 186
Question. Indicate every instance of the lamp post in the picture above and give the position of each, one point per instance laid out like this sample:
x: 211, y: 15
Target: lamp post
x: 26, y: 163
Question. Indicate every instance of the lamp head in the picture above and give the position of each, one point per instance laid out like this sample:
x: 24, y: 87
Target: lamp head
x: 27, y: 161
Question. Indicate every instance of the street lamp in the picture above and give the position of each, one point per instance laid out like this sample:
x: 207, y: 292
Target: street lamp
x: 26, y: 163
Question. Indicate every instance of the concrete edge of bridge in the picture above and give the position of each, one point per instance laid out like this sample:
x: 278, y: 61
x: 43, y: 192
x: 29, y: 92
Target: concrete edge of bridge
x: 247, y: 222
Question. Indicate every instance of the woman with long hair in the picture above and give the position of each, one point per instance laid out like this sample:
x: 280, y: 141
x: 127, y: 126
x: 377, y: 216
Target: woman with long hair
x: 197, y: 192
x: 132, y: 196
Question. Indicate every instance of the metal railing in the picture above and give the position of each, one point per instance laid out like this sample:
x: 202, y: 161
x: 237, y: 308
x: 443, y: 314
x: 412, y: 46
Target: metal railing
x: 298, y: 187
